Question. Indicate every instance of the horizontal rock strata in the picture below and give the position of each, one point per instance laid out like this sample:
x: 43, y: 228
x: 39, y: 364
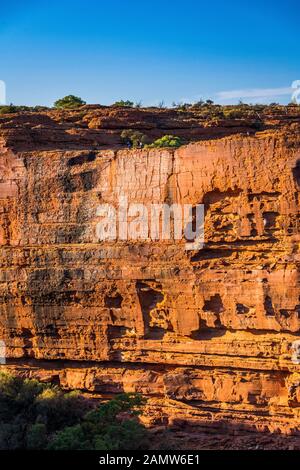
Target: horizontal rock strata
x: 208, y: 335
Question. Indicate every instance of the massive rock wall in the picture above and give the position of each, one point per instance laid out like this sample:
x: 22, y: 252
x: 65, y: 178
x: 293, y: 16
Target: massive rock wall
x: 208, y: 335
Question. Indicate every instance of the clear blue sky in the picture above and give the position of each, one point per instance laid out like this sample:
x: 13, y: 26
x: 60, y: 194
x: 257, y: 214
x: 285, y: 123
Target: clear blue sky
x: 171, y: 50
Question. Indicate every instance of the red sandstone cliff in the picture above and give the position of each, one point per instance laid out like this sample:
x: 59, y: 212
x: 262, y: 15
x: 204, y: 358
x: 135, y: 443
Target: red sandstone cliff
x: 206, y: 335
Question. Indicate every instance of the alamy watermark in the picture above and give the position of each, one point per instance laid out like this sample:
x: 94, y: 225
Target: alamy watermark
x: 136, y: 221
x: 296, y: 352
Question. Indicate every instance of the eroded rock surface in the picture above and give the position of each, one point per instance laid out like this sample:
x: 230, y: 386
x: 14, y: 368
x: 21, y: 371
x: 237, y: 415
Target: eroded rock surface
x: 207, y: 335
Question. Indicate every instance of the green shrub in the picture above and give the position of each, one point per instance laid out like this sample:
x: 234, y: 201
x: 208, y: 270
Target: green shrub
x: 167, y: 141
x: 8, y: 109
x: 59, y: 409
x: 125, y: 104
x: 233, y: 114
x: 104, y: 429
x: 69, y: 102
x: 134, y: 138
x: 70, y: 438
x: 36, y: 437
x: 35, y: 415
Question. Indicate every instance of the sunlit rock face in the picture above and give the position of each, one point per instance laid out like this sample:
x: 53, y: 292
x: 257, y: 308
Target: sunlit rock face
x: 208, y: 335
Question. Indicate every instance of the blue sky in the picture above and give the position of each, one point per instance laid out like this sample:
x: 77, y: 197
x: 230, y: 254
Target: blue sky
x: 175, y: 50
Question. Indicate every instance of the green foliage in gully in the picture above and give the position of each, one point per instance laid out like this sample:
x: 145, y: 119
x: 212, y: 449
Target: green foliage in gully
x: 35, y: 415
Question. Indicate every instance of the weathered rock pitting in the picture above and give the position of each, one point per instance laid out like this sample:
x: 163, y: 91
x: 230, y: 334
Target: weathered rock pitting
x: 206, y: 335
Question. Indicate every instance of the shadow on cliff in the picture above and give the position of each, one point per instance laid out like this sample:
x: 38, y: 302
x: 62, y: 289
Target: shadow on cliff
x: 36, y: 132
x: 296, y: 173
x: 220, y: 435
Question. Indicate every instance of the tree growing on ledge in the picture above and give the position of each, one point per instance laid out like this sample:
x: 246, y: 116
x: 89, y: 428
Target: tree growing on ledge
x: 133, y: 138
x: 167, y: 141
x: 69, y: 102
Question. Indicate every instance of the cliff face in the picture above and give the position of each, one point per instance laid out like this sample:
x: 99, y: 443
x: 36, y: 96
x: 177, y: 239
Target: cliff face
x: 207, y: 335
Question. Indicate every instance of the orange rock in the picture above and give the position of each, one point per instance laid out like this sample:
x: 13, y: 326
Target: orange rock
x: 206, y: 335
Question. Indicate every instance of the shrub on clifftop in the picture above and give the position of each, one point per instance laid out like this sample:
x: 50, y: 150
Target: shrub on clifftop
x: 124, y: 104
x: 69, y: 102
x: 8, y: 109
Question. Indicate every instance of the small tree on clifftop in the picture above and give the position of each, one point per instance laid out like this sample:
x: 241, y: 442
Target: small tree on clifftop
x: 69, y: 102
x: 123, y: 104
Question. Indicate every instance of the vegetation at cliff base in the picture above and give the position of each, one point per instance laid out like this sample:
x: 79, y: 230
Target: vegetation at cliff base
x: 100, y: 429
x: 35, y: 415
x: 69, y: 102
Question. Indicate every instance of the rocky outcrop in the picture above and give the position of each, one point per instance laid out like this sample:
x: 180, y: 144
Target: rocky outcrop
x: 94, y: 127
x: 209, y: 335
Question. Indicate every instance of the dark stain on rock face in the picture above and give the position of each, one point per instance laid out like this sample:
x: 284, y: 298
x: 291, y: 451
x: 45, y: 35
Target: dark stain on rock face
x: 81, y: 159
x: 114, y: 301
x: 81, y: 182
x: 214, y: 304
x: 269, y: 308
x: 150, y: 296
x: 296, y: 172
